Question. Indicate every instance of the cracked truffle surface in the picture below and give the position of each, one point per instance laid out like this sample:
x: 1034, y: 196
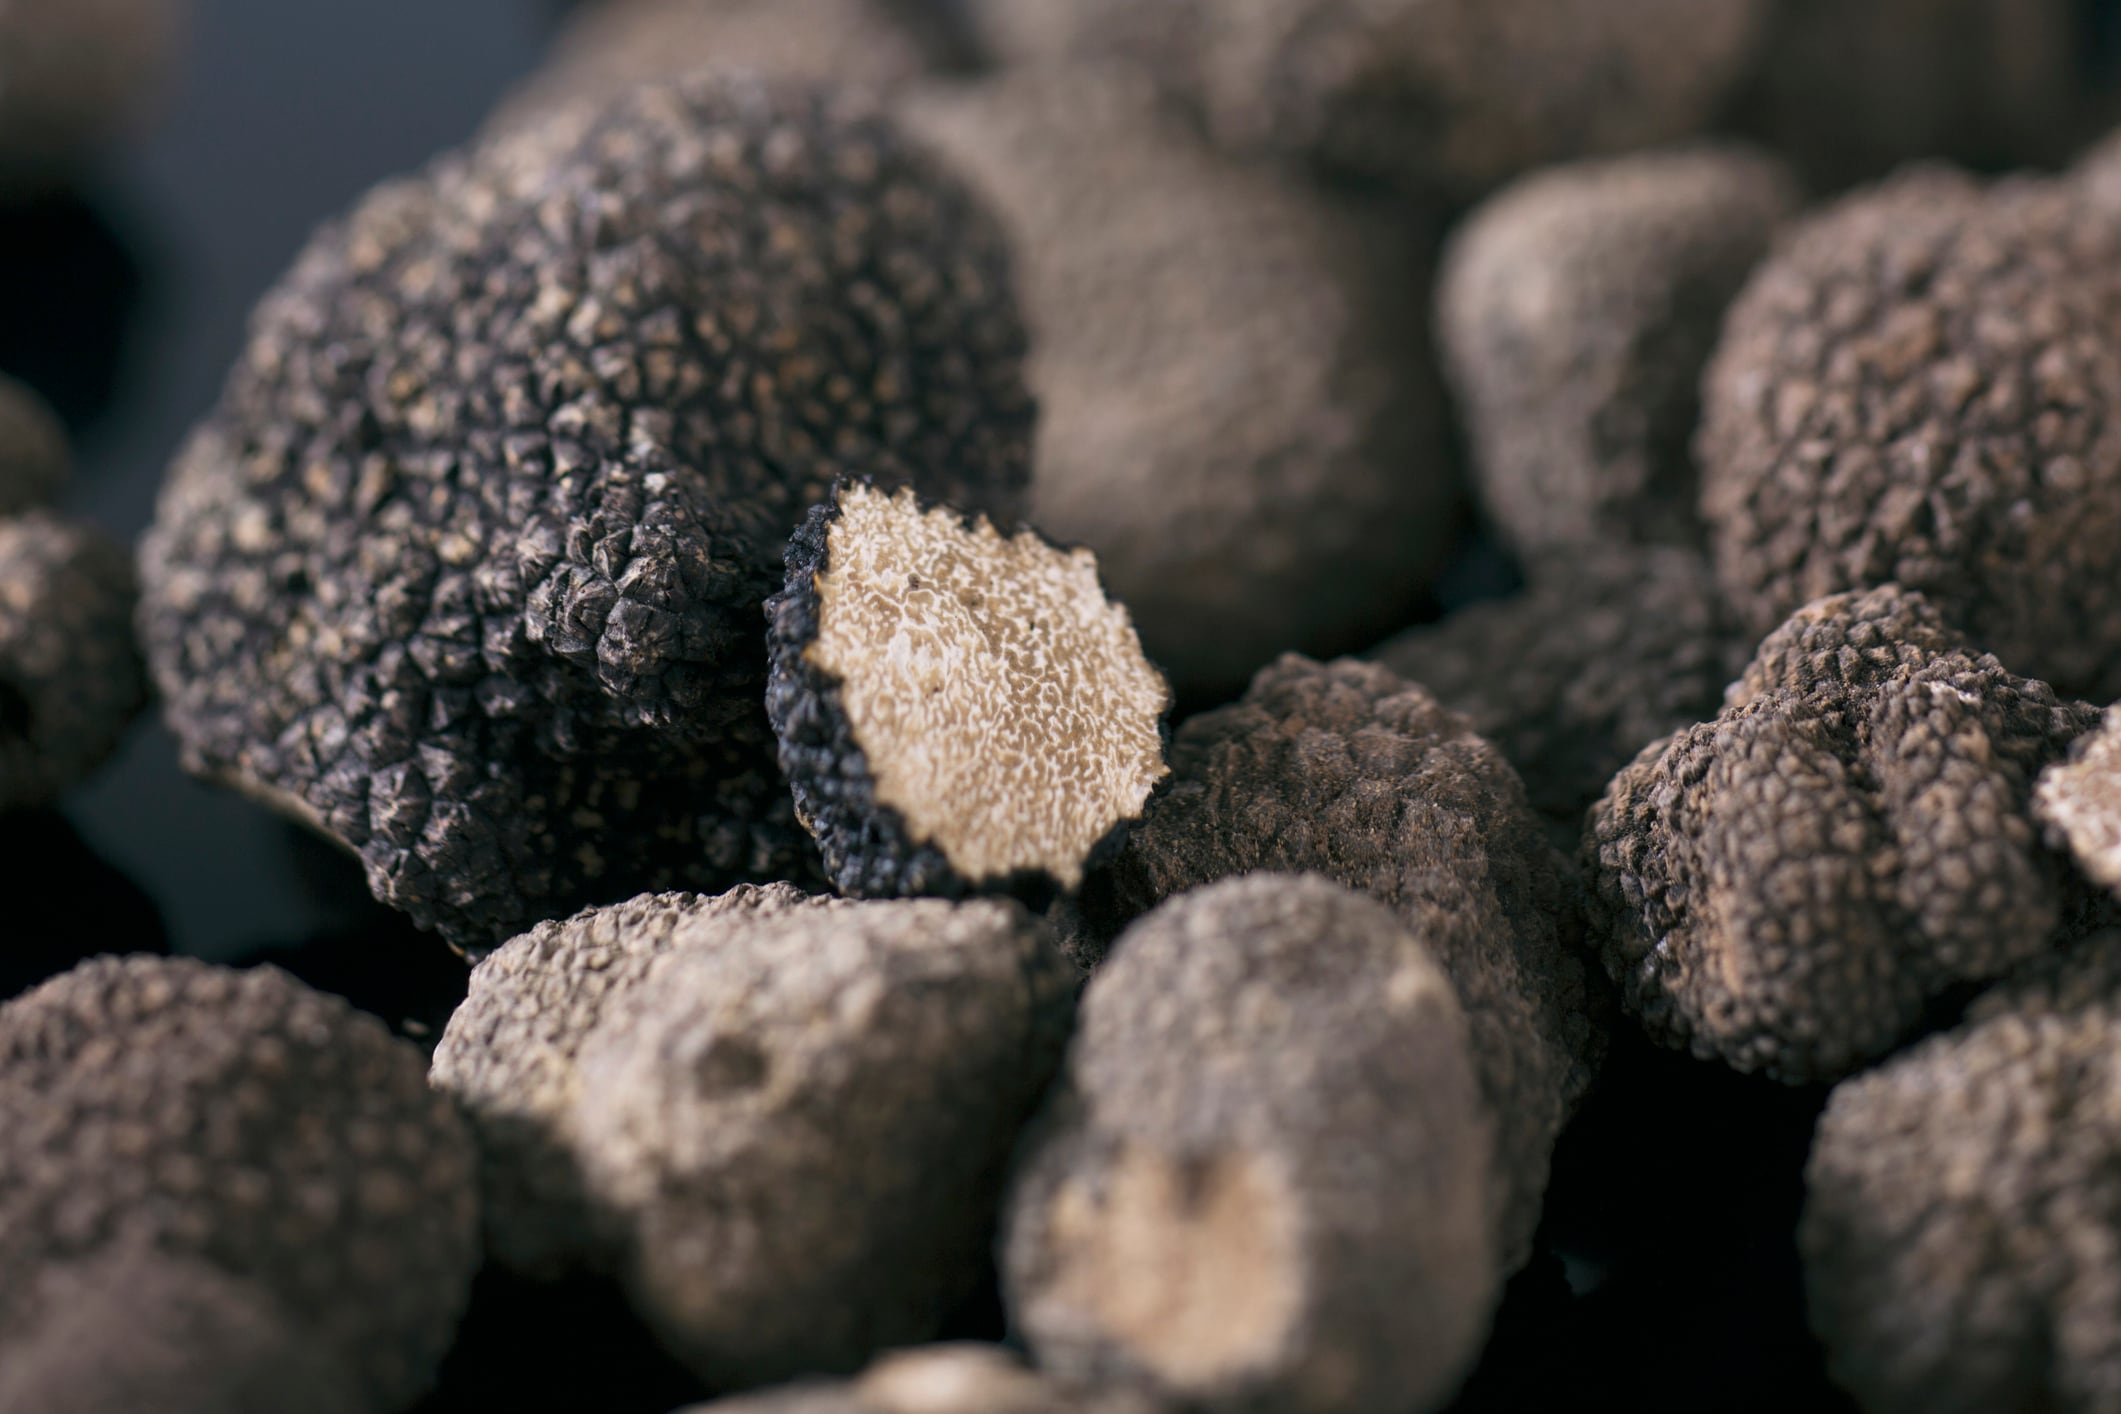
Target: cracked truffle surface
x: 34, y: 459
x: 1787, y: 887
x: 939, y: 1379
x: 242, y: 1121
x: 1575, y: 311
x: 74, y: 74
x: 1962, y: 1229
x: 2079, y: 801
x: 1606, y: 651
x: 1263, y: 1180
x: 1919, y: 386
x: 958, y: 708
x: 71, y: 679
x: 1238, y: 410
x: 1349, y: 771
x: 1437, y: 94
x: 466, y: 568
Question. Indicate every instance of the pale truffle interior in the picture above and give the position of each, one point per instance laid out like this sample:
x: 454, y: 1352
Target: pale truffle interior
x: 1001, y: 700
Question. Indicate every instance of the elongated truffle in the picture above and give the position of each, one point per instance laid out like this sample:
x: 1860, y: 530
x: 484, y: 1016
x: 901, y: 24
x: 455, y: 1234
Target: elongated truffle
x: 959, y: 709
x: 2079, y: 801
x: 1787, y: 887
x: 74, y: 74
x: 34, y: 459
x: 1575, y: 311
x: 466, y: 568
x: 1238, y: 410
x: 240, y: 1121
x: 939, y: 1379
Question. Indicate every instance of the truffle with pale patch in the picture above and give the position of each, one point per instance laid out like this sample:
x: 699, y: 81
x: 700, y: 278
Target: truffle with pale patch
x: 940, y: 1379
x: 34, y: 459
x: 74, y: 76
x: 959, y: 709
x: 2079, y: 801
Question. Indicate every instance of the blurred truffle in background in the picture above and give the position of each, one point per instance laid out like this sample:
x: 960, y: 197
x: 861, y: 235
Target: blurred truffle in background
x: 75, y: 75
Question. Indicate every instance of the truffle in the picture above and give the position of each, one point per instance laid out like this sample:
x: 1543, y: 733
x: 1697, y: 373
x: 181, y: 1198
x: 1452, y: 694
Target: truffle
x: 74, y: 74
x: 1788, y: 887
x: 466, y: 570
x: 1920, y: 386
x: 243, y: 1122
x: 1575, y: 312
x: 939, y: 1379
x: 1239, y: 413
x: 959, y: 710
x: 1606, y: 651
x: 1263, y: 1181
x: 34, y: 459
x: 2079, y: 801
x: 1347, y: 770
x: 70, y: 674
x: 1962, y: 1226
x: 1445, y: 96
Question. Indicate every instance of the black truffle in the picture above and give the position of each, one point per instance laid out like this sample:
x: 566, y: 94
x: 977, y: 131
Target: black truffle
x: 466, y: 569
x: 74, y: 74
x: 1787, y: 887
x: 34, y: 459
x: 939, y: 1379
x: 2079, y: 801
x: 959, y: 710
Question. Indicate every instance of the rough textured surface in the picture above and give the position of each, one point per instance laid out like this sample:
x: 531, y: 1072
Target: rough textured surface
x: 1606, y: 651
x: 958, y: 709
x: 1920, y: 387
x: 508, y: 1056
x: 71, y: 679
x: 1962, y: 1231
x: 2079, y: 801
x: 1414, y: 90
x: 243, y: 1121
x: 1575, y: 311
x: 73, y: 75
x: 1349, y: 771
x: 1788, y: 887
x: 1264, y: 1181
x: 466, y: 569
x: 34, y: 459
x: 801, y: 1128
x: 939, y: 1379
x: 1237, y: 406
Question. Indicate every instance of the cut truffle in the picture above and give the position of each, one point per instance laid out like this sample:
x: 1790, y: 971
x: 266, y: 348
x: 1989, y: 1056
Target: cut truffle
x: 959, y: 710
x: 1349, y: 771
x: 1575, y: 311
x: 1603, y: 653
x: 240, y: 1121
x: 71, y: 680
x: 1920, y: 387
x: 34, y: 459
x: 1445, y: 96
x: 2079, y: 801
x: 939, y: 1379
x: 1238, y: 410
x: 1962, y: 1227
x: 1264, y: 1180
x: 466, y: 568
x: 74, y: 74
x: 1788, y: 887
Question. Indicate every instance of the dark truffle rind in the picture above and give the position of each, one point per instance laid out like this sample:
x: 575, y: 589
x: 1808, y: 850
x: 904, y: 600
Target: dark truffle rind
x: 34, y: 459
x: 1787, y: 888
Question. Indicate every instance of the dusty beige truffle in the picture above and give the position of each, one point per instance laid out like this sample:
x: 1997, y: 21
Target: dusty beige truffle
x: 1263, y: 1182
x: 75, y: 74
x: 958, y: 709
x: 1575, y: 311
x: 34, y: 459
x: 940, y: 1379
x: 1237, y: 403
x: 2079, y: 801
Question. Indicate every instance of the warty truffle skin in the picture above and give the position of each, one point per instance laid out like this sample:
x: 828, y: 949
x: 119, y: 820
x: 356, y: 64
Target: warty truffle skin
x: 939, y: 1379
x: 1962, y: 1225
x: 1575, y: 311
x: 1920, y: 387
x: 959, y: 709
x: 1349, y: 771
x: 74, y: 74
x: 2079, y: 801
x: 466, y: 568
x: 34, y: 459
x: 239, y: 1120
x: 1264, y: 1180
x: 1441, y: 96
x: 1788, y: 887
x: 1238, y: 409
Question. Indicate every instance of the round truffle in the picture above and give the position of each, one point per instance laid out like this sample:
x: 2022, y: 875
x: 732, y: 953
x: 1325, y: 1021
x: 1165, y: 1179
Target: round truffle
x: 939, y: 1379
x: 74, y: 74
x: 1962, y: 1225
x: 467, y: 567
x: 1788, y: 887
x: 71, y: 680
x: 1237, y: 403
x: 1920, y: 386
x: 1349, y: 771
x: 1443, y: 96
x: 34, y: 459
x: 1575, y: 311
x: 959, y: 709
x: 2079, y: 801
x: 240, y: 1121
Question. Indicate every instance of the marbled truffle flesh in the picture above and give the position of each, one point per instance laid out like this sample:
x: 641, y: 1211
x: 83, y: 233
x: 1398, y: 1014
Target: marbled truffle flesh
x: 1962, y: 1226
x: 75, y: 74
x: 1575, y: 311
x: 243, y: 1122
x: 1238, y: 410
x: 958, y: 709
x: 34, y: 459
x: 939, y: 1379
x: 1788, y: 887
x: 2079, y: 801
x: 466, y: 568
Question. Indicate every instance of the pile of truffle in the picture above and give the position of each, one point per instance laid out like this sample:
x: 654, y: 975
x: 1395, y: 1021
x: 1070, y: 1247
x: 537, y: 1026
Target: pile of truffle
x: 724, y: 550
